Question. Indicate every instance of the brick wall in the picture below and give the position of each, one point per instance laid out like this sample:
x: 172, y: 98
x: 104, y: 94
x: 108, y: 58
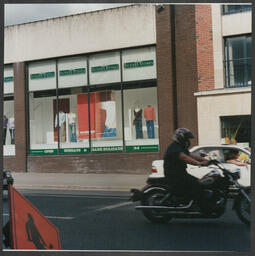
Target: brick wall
x: 204, y: 43
x: 186, y: 68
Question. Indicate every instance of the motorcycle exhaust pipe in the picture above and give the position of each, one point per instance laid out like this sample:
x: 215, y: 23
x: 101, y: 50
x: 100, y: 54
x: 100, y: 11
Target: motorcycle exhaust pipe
x: 140, y: 207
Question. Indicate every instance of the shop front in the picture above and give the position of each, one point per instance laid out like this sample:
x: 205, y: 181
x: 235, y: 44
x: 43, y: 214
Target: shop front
x: 86, y: 108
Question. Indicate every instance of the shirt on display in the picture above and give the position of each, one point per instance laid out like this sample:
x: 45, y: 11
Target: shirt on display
x: 110, y: 107
x: 149, y: 113
x: 62, y: 118
x: 11, y: 123
x: 71, y: 118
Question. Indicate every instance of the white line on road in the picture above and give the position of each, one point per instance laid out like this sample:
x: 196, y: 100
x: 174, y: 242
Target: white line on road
x: 50, y: 217
x: 58, y: 217
x: 110, y: 207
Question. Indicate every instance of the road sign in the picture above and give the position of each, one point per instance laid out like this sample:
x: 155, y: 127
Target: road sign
x: 29, y: 228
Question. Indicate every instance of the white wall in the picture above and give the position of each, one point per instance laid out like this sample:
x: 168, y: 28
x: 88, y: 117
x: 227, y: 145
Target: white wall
x: 218, y: 50
x: 212, y: 107
x: 90, y: 32
x: 238, y: 23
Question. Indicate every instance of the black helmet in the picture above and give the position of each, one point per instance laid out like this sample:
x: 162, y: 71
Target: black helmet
x: 182, y: 136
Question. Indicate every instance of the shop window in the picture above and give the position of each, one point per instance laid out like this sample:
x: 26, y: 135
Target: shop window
x: 8, y: 112
x: 105, y: 118
x: 230, y: 9
x: 8, y: 126
x: 42, y: 122
x: 141, y: 117
x: 76, y: 104
x: 236, y: 129
x: 238, y: 61
x: 73, y: 113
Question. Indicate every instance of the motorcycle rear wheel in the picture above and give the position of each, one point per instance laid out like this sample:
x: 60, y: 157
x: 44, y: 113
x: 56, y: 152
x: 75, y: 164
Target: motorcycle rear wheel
x: 153, y: 198
x: 243, y: 208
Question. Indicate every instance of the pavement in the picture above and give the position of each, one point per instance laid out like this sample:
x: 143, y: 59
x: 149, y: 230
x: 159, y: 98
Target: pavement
x: 67, y: 181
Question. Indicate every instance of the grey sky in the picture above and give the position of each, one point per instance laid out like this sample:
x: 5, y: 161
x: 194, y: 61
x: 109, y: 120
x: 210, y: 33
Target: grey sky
x: 22, y: 13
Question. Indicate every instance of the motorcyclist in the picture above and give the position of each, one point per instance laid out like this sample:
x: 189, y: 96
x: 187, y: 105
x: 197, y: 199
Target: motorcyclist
x: 176, y: 158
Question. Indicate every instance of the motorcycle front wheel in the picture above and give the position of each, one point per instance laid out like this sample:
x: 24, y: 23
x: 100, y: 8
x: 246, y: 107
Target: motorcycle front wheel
x: 243, y: 208
x: 154, y: 198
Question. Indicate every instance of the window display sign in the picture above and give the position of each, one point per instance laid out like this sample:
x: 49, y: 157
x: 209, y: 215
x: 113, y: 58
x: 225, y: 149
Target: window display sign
x: 142, y: 148
x: 107, y: 149
x: 42, y: 75
x: 74, y: 150
x: 43, y: 151
x: 139, y: 64
x: 8, y: 80
x: 104, y: 68
x: 72, y: 72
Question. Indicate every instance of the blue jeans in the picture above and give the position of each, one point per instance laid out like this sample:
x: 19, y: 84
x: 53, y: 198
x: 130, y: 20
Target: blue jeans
x: 109, y: 132
x: 150, y: 129
x: 72, y: 133
x: 138, y: 129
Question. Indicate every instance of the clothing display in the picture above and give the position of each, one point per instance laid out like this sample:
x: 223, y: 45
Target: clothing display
x: 109, y: 132
x: 71, y: 118
x: 61, y: 124
x: 72, y: 127
x: 5, y: 122
x: 150, y: 117
x: 72, y: 132
x: 62, y: 133
x: 11, y: 124
x: 149, y: 113
x: 138, y: 123
x: 150, y: 129
x: 110, y: 122
x: 62, y: 119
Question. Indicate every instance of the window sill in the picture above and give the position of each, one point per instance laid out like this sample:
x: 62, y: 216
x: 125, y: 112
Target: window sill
x: 236, y: 90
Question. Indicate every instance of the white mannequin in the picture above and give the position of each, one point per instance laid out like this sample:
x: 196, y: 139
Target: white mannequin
x: 137, y: 108
x: 11, y: 123
x: 71, y: 118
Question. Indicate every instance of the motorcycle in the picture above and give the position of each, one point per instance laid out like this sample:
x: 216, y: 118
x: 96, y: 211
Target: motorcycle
x: 159, y: 203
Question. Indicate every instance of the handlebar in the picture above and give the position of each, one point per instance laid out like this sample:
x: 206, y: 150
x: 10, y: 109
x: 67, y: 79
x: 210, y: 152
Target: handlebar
x: 217, y: 163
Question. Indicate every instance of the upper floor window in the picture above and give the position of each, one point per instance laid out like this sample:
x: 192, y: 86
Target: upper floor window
x: 229, y: 9
x: 237, y: 61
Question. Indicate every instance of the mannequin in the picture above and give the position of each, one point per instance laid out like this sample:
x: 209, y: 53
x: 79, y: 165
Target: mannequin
x: 12, y: 129
x: 5, y: 122
x: 150, y: 117
x: 72, y: 126
x: 110, y: 122
x: 138, y: 122
x: 61, y: 125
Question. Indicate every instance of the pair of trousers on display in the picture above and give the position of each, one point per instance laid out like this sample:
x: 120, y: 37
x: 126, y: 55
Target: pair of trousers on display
x: 4, y: 135
x: 12, y: 135
x: 138, y: 129
x: 62, y: 133
x: 109, y: 132
x: 72, y: 133
x: 150, y: 129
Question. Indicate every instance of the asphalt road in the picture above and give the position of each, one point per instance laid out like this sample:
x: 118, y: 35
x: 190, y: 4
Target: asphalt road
x: 108, y: 221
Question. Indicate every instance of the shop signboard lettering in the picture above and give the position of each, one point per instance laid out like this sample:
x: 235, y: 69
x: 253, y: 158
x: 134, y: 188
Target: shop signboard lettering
x: 8, y: 79
x: 107, y: 149
x: 142, y: 148
x: 70, y: 72
x: 42, y: 75
x: 139, y: 64
x: 105, y: 68
x: 43, y: 151
x: 74, y: 150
